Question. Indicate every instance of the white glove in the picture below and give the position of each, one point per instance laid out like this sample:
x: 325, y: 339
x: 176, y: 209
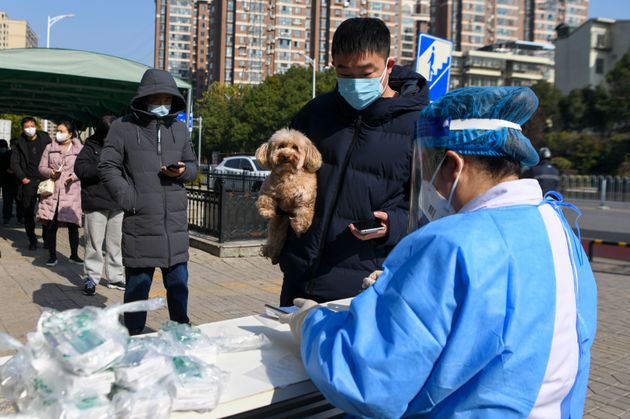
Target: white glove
x: 369, y: 280
x: 295, y: 320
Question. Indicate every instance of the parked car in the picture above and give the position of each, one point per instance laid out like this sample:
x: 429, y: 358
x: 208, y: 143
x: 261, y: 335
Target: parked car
x: 238, y: 173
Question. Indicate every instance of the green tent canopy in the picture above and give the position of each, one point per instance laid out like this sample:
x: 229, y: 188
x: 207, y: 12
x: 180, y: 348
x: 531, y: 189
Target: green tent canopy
x: 68, y: 84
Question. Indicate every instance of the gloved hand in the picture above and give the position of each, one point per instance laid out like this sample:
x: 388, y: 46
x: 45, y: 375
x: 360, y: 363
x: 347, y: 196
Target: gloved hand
x: 295, y: 320
x: 369, y: 280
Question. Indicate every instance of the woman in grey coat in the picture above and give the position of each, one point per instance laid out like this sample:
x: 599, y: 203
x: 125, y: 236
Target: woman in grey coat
x: 146, y: 159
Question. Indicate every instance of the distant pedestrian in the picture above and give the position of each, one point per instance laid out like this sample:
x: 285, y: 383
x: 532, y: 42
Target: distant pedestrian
x: 103, y: 216
x: 63, y: 206
x: 545, y: 172
x: 9, y: 183
x: 147, y: 157
x: 25, y: 158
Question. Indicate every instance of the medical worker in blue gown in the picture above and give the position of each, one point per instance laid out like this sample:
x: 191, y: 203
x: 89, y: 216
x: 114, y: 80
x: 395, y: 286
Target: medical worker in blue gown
x: 488, y: 311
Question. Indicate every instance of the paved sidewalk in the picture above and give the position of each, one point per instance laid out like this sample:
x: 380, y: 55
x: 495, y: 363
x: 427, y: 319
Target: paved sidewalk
x: 219, y: 288
x: 235, y: 287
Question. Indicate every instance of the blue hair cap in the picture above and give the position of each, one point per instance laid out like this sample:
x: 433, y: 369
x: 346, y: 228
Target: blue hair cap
x: 481, y: 121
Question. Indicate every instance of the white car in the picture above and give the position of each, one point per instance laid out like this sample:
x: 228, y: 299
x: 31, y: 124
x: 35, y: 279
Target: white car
x: 239, y: 173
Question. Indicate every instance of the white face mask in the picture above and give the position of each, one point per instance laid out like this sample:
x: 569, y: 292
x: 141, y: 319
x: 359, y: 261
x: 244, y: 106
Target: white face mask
x: 30, y: 131
x: 434, y: 205
x: 61, y: 137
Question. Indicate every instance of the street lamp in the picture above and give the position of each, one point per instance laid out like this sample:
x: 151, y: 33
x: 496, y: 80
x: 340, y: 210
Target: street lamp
x: 52, y: 21
x: 313, y: 63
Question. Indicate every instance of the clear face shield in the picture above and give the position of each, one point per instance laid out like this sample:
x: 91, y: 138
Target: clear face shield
x: 426, y: 202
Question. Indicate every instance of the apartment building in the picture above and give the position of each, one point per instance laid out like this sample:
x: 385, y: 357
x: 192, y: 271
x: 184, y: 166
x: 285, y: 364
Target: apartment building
x: 182, y: 34
x: 244, y: 41
x: 471, y: 24
x: 516, y: 63
x: 16, y: 33
x: 543, y: 16
x: 585, y: 55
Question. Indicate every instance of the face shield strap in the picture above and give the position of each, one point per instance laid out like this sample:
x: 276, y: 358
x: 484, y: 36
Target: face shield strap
x: 482, y: 124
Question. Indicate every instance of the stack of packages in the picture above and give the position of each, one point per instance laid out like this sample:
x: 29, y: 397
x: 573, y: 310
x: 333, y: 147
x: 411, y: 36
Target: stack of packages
x: 82, y: 363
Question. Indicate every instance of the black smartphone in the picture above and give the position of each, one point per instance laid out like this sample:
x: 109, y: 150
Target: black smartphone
x: 273, y: 311
x: 368, y: 226
x: 175, y: 166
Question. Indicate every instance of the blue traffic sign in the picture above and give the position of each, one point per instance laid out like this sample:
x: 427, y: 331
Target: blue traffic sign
x: 433, y: 62
x: 182, y: 117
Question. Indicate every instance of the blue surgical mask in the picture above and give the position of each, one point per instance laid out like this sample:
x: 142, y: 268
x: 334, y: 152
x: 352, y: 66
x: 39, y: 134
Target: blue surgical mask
x: 361, y: 93
x: 159, y: 110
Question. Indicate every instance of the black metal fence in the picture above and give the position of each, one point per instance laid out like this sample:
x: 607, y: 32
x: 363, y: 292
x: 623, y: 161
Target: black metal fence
x: 602, y: 188
x: 225, y: 207
x: 247, y: 182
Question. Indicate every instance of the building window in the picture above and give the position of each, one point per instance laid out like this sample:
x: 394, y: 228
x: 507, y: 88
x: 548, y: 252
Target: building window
x: 599, y: 66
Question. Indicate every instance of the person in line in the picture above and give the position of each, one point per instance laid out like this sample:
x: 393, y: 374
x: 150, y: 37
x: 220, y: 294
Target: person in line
x: 63, y: 206
x: 489, y: 310
x: 363, y: 130
x: 8, y: 183
x: 13, y: 188
x: 25, y: 158
x: 146, y: 159
x: 544, y: 172
x: 103, y: 217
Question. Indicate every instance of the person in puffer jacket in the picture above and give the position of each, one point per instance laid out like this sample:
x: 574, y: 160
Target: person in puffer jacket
x: 146, y: 159
x: 364, y: 130
x: 103, y: 217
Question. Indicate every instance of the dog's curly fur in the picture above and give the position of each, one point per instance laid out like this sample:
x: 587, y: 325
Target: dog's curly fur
x: 287, y: 196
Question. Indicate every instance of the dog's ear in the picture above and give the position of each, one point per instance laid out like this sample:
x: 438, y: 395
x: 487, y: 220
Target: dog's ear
x: 261, y: 155
x: 313, y: 158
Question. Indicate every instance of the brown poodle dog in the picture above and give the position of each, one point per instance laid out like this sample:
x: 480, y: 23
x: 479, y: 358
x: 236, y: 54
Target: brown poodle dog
x: 288, y: 194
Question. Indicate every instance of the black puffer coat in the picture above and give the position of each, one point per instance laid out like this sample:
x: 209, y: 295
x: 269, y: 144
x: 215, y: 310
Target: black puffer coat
x: 367, y: 165
x: 155, y: 227
x: 94, y: 196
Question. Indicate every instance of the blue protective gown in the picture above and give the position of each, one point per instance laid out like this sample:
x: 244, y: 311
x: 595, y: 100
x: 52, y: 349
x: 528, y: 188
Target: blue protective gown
x: 459, y: 324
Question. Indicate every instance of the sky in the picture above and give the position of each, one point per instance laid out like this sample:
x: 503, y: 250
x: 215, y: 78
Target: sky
x: 125, y: 27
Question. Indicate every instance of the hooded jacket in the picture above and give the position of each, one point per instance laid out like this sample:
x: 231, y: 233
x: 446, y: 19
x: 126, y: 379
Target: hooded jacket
x: 155, y: 225
x: 366, y: 167
x: 94, y: 196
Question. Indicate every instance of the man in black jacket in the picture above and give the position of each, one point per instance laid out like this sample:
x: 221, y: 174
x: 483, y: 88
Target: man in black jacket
x: 103, y: 216
x: 146, y: 159
x: 25, y: 158
x: 10, y: 184
x: 545, y: 172
x: 364, y: 131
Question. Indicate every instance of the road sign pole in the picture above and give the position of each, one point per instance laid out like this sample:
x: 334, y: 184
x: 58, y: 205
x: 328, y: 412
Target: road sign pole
x: 199, y: 145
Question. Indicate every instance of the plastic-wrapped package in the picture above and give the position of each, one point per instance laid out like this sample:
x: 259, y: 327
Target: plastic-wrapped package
x: 196, y: 385
x: 20, y: 382
x: 142, y: 366
x: 92, y: 407
x: 149, y: 403
x: 89, y: 339
x: 190, y: 341
x: 12, y: 384
x: 97, y: 383
x: 227, y: 344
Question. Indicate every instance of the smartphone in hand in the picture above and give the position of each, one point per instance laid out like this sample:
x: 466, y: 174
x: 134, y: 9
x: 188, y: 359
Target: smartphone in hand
x: 368, y: 226
x: 274, y: 312
x: 175, y: 166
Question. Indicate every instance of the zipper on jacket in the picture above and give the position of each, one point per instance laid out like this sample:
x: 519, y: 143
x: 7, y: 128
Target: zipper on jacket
x: 168, y: 240
x: 342, y: 178
x: 159, y: 142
